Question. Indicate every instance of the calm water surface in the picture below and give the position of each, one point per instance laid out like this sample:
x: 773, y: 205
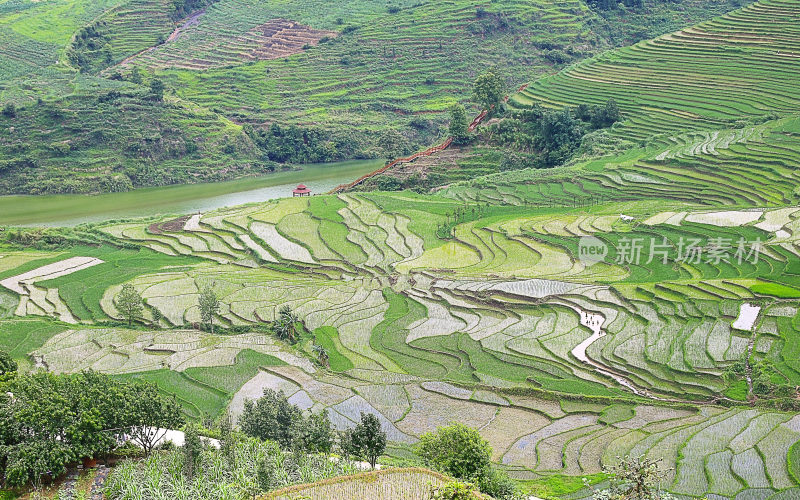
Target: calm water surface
x: 70, y: 210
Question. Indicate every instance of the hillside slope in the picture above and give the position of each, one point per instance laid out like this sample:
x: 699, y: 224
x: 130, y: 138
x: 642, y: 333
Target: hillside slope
x: 710, y: 116
x: 358, y: 79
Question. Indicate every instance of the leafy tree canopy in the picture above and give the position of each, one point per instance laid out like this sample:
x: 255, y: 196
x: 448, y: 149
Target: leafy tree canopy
x: 366, y: 440
x: 488, y: 90
x: 456, y: 450
x: 49, y: 420
x: 273, y: 418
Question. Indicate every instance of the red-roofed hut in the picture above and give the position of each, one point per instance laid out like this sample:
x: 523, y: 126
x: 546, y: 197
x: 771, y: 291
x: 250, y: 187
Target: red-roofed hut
x: 301, y: 190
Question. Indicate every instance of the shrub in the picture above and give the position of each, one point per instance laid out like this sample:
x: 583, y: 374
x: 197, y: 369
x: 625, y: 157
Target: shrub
x: 455, y: 490
x: 10, y: 110
x: 456, y: 450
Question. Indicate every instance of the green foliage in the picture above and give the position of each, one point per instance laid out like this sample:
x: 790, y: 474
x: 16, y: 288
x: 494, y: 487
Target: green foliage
x: 488, y: 90
x: 10, y: 110
x: 157, y: 89
x: 366, y: 440
x: 459, y: 124
x: 286, y: 325
x: 456, y: 450
x: 191, y: 450
x: 271, y: 417
x: 7, y: 365
x: 129, y: 303
x: 553, y: 136
x: 461, y: 452
x: 250, y: 468
x: 294, y: 144
x: 52, y: 420
x: 209, y: 306
x: 455, y: 490
x: 65, y: 146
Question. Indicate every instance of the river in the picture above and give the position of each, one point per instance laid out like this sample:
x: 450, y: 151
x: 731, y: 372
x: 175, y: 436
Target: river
x: 70, y: 210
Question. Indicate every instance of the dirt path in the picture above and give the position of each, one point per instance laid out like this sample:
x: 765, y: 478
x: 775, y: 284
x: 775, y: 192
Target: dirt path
x: 428, y: 152
x: 594, y: 321
x: 190, y: 21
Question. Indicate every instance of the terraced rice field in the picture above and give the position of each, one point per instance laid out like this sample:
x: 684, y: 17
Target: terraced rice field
x: 562, y: 362
x: 691, y: 168
x: 196, y: 46
x: 418, y: 333
x: 739, y: 66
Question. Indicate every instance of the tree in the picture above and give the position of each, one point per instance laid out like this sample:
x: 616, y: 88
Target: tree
x: 366, y: 440
x: 317, y: 435
x: 129, y: 303
x: 47, y: 420
x: 8, y: 367
x: 209, y: 306
x: 136, y: 76
x: 151, y: 414
x: 271, y: 417
x: 157, y: 317
x: 456, y: 450
x: 488, y: 90
x: 322, y: 355
x: 606, y: 115
x: 157, y: 89
x: 192, y: 448
x: 634, y: 479
x: 461, y: 452
x: 286, y: 325
x: 227, y: 439
x: 459, y: 124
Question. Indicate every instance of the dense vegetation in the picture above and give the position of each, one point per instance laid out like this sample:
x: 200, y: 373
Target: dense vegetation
x: 49, y: 421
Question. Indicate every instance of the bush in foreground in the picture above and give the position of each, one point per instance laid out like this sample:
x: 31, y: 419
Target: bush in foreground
x: 461, y: 452
x: 48, y: 421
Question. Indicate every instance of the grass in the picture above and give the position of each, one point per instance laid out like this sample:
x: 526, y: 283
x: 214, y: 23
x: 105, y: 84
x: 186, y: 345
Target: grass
x: 776, y: 290
x: 328, y: 337
x: 556, y: 486
x: 198, y: 400
x: 230, y: 379
x: 19, y: 337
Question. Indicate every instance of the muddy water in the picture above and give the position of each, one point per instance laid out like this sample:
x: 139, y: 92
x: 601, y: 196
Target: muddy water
x: 70, y: 210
